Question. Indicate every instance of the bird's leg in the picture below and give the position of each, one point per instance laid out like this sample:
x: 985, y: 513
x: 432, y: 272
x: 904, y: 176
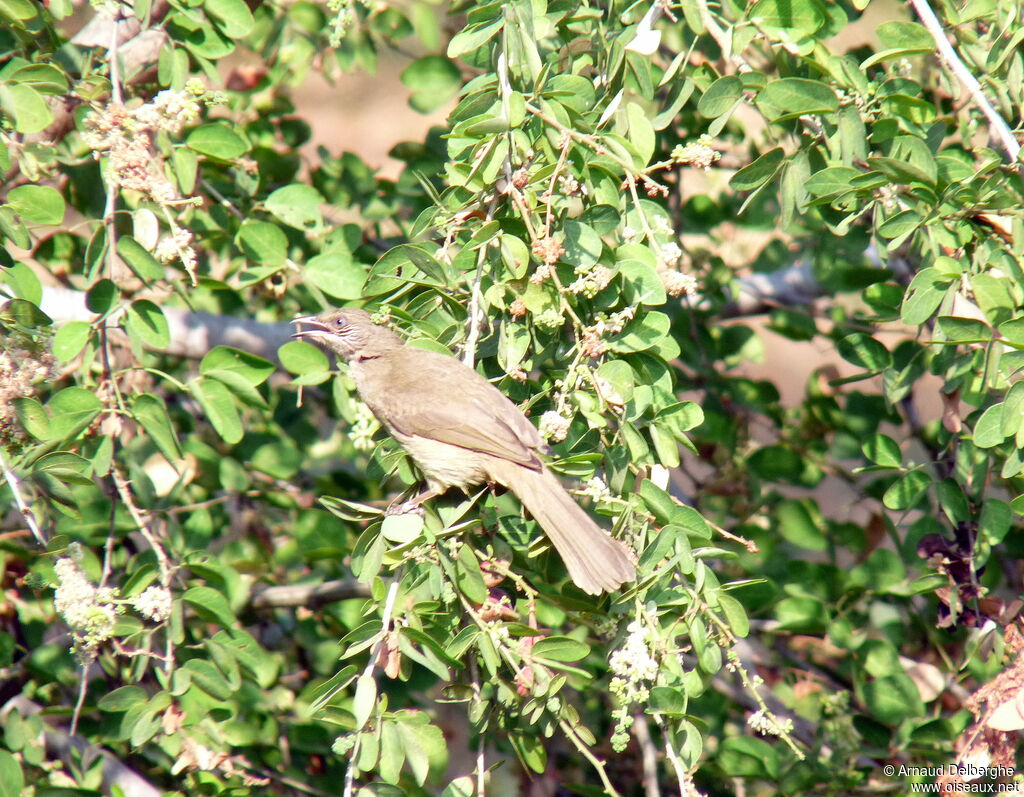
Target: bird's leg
x: 410, y: 504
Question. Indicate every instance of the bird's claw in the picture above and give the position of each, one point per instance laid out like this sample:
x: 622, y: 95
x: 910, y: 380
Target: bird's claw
x: 404, y: 508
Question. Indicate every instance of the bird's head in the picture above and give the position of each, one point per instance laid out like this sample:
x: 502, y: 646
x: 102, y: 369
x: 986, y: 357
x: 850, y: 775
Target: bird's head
x: 348, y: 333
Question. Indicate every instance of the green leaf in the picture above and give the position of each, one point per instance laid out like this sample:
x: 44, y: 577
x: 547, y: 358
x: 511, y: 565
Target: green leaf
x: 139, y: 259
x: 468, y: 577
x: 645, y: 331
x: 747, y: 757
x: 582, y: 245
x: 207, y: 677
x: 788, y: 98
x: 12, y: 779
x: 219, y: 141
x: 756, y: 174
x: 907, y: 490
x: 402, y: 529
x: 904, y: 222
x: 433, y: 80
x: 33, y: 418
x: 364, y: 700
x: 337, y: 275
x: 71, y: 411
x: 720, y: 97
x: 228, y: 365
x: 70, y: 340
x: 301, y: 358
x: 26, y: 106
x: 65, y: 466
x: 219, y: 406
x: 145, y: 321
x: 964, y: 330
x: 297, y: 205
x: 883, y: 450
x: 232, y: 16
x: 923, y: 296
x: 800, y: 526
x: 37, y: 204
x: 102, y: 297
x: 905, y: 36
x: 263, y: 242
x: 641, y: 131
x: 788, y: 20
x: 864, y: 351
x: 831, y: 182
x: 24, y: 281
x: 210, y: 605
x: 473, y: 37
x: 988, y: 431
x: 123, y: 698
x: 151, y: 414
x: 560, y: 648
x: 893, y: 699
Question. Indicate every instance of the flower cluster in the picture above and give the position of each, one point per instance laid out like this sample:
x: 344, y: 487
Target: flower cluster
x: 597, y: 489
x: 635, y: 669
x: 554, y: 426
x: 591, y: 281
x: 697, y: 153
x: 364, y: 427
x: 768, y: 724
x: 550, y: 318
x: 126, y: 135
x: 20, y: 369
x: 677, y: 283
x: 547, y: 249
x: 88, y: 610
x: 154, y: 603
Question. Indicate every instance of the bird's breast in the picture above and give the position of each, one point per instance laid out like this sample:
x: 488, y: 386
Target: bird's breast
x: 443, y: 464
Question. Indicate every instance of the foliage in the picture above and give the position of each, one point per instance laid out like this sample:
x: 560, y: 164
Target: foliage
x: 201, y: 577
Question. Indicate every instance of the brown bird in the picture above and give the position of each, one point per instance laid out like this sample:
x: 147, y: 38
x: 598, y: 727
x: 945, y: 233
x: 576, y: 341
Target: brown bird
x: 462, y: 431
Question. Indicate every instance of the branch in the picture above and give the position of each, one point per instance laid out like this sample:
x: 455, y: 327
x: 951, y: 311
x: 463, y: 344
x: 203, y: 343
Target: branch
x: 311, y: 596
x: 117, y: 778
x: 949, y: 56
x: 192, y: 334
x: 26, y: 511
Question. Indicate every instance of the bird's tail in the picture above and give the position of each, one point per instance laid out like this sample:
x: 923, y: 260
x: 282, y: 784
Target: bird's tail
x: 596, y: 562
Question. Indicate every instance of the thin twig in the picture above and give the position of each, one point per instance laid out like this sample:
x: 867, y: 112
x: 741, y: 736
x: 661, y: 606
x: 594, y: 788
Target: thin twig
x: 649, y: 757
x: 26, y: 511
x: 952, y: 60
x: 476, y: 313
x: 385, y: 629
x: 163, y: 563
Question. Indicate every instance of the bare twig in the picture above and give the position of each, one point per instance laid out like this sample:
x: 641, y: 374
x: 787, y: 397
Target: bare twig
x: 309, y: 595
x: 19, y: 501
x: 163, y: 563
x: 385, y: 629
x: 642, y: 733
x: 949, y: 55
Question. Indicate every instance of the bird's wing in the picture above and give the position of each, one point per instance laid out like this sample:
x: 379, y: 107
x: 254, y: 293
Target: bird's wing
x: 453, y: 404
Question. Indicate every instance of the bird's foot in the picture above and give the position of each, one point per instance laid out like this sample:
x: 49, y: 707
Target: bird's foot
x: 412, y: 506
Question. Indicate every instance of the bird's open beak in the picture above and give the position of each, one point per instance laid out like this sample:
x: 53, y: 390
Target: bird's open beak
x: 309, y: 320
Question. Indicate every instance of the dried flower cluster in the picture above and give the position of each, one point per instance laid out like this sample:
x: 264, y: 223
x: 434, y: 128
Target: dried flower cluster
x: 554, y: 426
x: 126, y: 135
x: 697, y: 153
x: 20, y: 369
x: 547, y: 249
x: 591, y: 281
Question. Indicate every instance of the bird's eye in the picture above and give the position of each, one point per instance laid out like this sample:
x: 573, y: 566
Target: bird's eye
x: 340, y: 322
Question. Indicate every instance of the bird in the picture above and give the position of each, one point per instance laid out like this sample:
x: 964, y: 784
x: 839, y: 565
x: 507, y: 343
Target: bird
x: 461, y: 431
